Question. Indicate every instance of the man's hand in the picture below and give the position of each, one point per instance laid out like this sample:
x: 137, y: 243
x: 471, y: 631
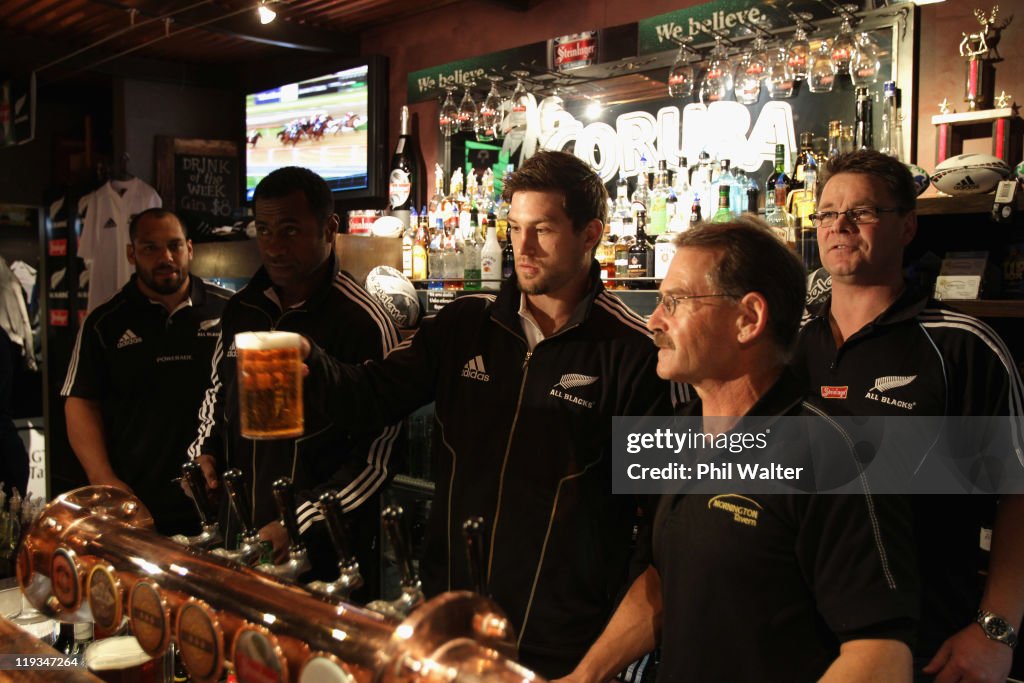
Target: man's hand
x: 969, y: 656
x: 111, y: 480
x: 278, y: 537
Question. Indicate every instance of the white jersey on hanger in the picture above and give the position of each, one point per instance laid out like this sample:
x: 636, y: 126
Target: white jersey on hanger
x: 104, y: 240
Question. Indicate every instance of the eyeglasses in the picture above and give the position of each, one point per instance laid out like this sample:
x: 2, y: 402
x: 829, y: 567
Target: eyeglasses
x: 670, y: 301
x: 865, y: 215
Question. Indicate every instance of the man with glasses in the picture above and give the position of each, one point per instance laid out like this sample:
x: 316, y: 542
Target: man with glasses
x: 759, y: 587
x: 879, y: 345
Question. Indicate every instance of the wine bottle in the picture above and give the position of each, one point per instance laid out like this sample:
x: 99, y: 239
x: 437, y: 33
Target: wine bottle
x: 403, y: 181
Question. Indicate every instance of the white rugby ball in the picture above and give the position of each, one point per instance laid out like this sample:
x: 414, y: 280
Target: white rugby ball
x: 396, y: 294
x: 387, y: 226
x: 970, y: 174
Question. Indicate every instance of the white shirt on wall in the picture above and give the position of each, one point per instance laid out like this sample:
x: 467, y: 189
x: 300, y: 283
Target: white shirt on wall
x: 104, y: 241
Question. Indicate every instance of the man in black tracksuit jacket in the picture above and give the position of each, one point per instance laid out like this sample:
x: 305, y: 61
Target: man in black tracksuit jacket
x: 524, y: 393
x: 343, y: 319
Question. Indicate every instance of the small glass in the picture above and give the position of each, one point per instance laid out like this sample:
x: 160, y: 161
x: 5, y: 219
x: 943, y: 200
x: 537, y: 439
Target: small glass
x: 821, y: 74
x: 780, y: 79
x: 798, y: 52
x: 717, y: 83
x: 518, y: 105
x: 488, y: 119
x: 683, y: 74
x: 749, y: 72
x: 864, y: 64
x: 449, y: 116
x: 467, y: 110
x: 842, y: 47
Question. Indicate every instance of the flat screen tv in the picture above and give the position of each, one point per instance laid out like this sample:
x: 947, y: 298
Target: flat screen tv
x: 334, y: 124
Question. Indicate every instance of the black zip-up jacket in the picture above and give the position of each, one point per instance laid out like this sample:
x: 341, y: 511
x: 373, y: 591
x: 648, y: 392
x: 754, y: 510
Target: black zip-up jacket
x: 350, y: 326
x: 522, y: 439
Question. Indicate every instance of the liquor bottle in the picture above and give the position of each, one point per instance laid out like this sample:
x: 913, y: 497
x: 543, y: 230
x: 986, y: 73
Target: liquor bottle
x: 501, y: 219
x: 724, y: 177
x: 606, y: 259
x: 738, y: 195
x: 672, y: 203
x: 892, y: 134
x: 862, y: 120
x: 490, y: 258
x: 778, y: 182
x: 419, y: 250
x: 508, y: 260
x: 775, y: 217
x: 452, y: 257
x: 621, y: 207
x: 435, y: 258
x: 664, y: 250
x: 835, y: 139
x: 658, y: 199
x: 437, y: 202
x: 407, y: 241
x: 404, y: 181
x: 641, y: 199
x: 724, y: 213
x: 804, y: 157
x: 753, y: 195
x: 702, y: 180
x: 681, y: 189
x: 622, y: 254
x: 695, y: 217
x: 640, y: 255
x: 472, y: 254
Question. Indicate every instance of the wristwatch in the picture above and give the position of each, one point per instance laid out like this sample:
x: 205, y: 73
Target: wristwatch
x: 996, y: 628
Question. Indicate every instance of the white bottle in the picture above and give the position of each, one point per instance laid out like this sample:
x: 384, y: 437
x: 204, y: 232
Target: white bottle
x: 490, y: 259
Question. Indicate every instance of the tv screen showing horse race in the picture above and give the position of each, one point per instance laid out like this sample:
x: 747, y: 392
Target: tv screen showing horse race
x: 320, y: 123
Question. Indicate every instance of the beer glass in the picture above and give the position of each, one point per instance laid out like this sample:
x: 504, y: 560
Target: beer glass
x: 269, y: 384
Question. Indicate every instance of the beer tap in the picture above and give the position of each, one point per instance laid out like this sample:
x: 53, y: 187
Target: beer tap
x: 412, y: 592
x: 298, y: 561
x: 473, y: 531
x: 349, y: 578
x: 210, y: 535
x: 250, y: 548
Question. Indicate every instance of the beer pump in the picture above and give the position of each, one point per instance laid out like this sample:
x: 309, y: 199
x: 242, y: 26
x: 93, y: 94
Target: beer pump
x: 473, y: 532
x: 349, y: 578
x: 412, y: 593
x: 298, y: 561
x: 250, y: 547
x: 210, y: 535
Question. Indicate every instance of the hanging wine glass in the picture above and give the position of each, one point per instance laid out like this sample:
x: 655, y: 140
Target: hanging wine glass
x: 821, y: 72
x: 780, y: 78
x: 864, y: 64
x: 683, y: 74
x: 449, y: 117
x: 798, y: 52
x: 516, y: 119
x: 488, y: 119
x: 842, y: 47
x: 749, y: 72
x: 467, y: 109
x: 717, y: 83
x: 550, y: 109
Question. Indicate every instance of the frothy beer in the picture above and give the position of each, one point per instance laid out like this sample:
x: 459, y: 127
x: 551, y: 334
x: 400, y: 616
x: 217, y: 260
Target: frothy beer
x: 269, y: 384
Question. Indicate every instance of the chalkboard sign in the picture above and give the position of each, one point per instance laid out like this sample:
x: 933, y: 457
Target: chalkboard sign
x: 200, y: 180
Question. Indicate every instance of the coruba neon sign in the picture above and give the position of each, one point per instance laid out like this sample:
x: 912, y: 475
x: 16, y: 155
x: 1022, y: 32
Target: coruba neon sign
x: 722, y: 128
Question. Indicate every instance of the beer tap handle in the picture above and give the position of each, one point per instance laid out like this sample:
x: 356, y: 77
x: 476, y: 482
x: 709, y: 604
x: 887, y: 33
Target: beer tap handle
x: 193, y: 474
x: 331, y: 507
x: 473, y: 531
x: 284, y: 496
x: 239, y: 499
x: 392, y: 520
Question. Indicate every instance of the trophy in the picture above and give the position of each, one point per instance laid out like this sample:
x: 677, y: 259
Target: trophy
x: 980, y: 51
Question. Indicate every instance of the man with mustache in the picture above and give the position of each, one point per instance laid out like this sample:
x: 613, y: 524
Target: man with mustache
x: 524, y: 385
x: 880, y: 345
x: 743, y: 585
x: 138, y: 370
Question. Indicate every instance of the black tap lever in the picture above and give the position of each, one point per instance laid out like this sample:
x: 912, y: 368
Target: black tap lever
x: 476, y: 552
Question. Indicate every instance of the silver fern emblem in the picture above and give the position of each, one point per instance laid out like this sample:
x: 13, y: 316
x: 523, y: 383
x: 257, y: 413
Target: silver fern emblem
x: 883, y: 384
x: 571, y: 381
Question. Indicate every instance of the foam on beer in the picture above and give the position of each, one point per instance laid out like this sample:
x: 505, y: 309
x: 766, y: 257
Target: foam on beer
x: 266, y: 341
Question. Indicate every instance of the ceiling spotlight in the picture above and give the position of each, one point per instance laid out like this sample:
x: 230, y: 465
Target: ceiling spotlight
x: 267, y: 15
x: 593, y: 110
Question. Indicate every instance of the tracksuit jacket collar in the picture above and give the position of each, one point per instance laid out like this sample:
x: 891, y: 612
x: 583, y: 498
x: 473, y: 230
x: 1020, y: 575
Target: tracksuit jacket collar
x: 907, y: 306
x: 506, y: 308
x: 261, y: 282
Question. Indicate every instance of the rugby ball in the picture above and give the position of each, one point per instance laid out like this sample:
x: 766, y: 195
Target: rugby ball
x: 970, y: 174
x: 395, y: 293
x: 921, y: 179
x: 387, y: 226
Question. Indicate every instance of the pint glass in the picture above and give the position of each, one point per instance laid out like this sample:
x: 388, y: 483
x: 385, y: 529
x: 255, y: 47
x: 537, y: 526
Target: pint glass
x: 269, y: 384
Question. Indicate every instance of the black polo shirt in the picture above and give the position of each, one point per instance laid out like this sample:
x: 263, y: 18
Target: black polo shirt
x: 148, y: 369
x: 766, y: 588
x: 921, y: 358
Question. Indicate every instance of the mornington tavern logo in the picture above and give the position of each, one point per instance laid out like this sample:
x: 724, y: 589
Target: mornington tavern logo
x: 474, y: 369
x: 888, y: 383
x: 573, y: 381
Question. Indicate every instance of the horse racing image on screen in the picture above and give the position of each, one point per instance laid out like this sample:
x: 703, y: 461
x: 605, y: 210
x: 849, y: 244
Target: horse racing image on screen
x: 320, y: 123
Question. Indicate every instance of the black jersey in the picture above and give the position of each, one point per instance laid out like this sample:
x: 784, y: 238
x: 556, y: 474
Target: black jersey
x: 148, y: 369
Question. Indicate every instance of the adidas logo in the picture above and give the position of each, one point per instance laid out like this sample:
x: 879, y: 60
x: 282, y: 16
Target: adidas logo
x: 966, y: 183
x: 127, y: 339
x: 474, y: 369
x: 232, y: 351
x: 110, y: 223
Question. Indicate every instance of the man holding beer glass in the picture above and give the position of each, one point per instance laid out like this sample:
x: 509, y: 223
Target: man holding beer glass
x: 525, y: 385
x: 266, y: 430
